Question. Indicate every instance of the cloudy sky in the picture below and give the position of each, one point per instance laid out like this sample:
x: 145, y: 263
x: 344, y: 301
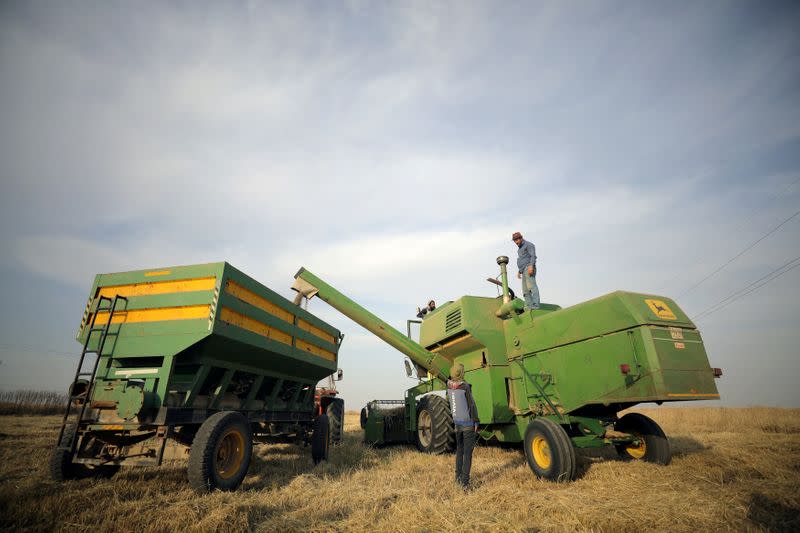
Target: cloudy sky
x: 392, y: 148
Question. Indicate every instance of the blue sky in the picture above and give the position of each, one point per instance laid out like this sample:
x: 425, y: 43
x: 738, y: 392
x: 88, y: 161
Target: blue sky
x: 392, y: 148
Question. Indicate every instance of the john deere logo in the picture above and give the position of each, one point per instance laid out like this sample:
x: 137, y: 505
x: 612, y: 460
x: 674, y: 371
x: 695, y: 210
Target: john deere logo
x: 661, y: 309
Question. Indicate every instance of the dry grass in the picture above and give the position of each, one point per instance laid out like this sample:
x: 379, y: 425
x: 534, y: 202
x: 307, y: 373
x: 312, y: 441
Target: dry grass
x: 733, y: 469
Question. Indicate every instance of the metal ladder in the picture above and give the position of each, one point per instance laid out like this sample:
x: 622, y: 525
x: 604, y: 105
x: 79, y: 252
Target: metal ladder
x: 72, y: 395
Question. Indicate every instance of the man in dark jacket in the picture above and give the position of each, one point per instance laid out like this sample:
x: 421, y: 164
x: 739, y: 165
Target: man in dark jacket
x: 465, y: 419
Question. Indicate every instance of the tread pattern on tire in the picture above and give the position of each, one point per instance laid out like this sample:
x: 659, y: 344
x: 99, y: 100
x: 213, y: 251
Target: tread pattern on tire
x: 562, y: 452
x: 443, y: 437
x: 335, y: 413
x: 321, y: 433
x: 363, y: 418
x: 657, y: 445
x: 201, y: 454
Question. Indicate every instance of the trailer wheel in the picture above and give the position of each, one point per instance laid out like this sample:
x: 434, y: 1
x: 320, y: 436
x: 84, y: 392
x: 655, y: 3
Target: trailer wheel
x: 549, y: 451
x: 60, y: 464
x: 364, y: 416
x: 435, y: 432
x: 335, y: 413
x: 220, y: 453
x: 320, y: 439
x: 653, y: 444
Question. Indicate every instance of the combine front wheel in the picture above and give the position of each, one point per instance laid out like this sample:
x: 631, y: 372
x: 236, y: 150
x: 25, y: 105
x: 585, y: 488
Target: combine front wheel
x: 549, y: 451
x: 220, y: 453
x: 435, y: 433
x: 653, y: 445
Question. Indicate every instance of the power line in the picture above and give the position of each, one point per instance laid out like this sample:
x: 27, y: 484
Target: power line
x: 739, y: 226
x: 754, y: 286
x: 737, y: 256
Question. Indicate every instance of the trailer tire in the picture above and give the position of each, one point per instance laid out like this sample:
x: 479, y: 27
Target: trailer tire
x: 549, y: 451
x: 320, y: 439
x: 335, y: 412
x: 60, y: 465
x: 435, y: 433
x: 654, y: 447
x: 220, y: 453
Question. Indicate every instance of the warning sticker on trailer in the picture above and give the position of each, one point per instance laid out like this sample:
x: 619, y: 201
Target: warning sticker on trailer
x: 676, y: 333
x: 661, y: 309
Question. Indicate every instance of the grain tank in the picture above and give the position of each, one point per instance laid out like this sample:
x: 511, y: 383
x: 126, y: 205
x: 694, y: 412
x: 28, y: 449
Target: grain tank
x: 194, y: 362
x: 553, y: 379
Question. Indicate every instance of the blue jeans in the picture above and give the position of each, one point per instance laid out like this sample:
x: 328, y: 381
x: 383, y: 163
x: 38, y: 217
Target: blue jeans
x: 530, y: 290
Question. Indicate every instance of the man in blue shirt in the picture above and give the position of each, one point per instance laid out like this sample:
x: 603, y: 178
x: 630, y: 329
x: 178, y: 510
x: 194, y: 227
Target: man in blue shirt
x: 526, y: 270
x: 465, y: 421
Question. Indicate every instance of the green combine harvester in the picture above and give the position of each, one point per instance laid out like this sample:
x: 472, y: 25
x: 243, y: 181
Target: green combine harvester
x: 195, y: 362
x: 554, y: 379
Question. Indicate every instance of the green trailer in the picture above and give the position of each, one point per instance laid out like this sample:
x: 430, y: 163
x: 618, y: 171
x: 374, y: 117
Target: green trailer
x: 194, y: 362
x: 554, y: 379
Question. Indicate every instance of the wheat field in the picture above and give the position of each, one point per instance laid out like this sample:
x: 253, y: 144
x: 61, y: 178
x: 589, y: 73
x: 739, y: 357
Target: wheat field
x: 732, y: 469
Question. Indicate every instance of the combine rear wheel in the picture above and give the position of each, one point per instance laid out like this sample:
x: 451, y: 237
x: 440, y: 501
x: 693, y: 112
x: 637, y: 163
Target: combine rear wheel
x: 435, y: 433
x: 320, y: 439
x: 363, y: 418
x: 653, y: 444
x: 549, y: 451
x: 220, y: 453
x: 335, y: 413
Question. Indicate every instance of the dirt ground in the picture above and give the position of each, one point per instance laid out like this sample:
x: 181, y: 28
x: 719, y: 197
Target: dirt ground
x: 732, y: 469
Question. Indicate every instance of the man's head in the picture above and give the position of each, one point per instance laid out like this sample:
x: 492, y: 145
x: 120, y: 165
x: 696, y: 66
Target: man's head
x: 431, y: 305
x: 457, y: 372
x: 517, y: 238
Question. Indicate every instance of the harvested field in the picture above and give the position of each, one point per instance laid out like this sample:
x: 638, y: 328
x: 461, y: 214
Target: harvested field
x: 732, y: 469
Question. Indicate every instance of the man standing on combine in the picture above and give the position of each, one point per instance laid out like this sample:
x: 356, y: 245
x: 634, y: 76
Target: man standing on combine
x: 526, y: 270
x: 465, y: 420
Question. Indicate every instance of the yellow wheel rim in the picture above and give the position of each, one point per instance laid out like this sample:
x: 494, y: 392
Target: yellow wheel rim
x: 637, y: 452
x: 541, y: 452
x: 425, y: 428
x: 230, y: 454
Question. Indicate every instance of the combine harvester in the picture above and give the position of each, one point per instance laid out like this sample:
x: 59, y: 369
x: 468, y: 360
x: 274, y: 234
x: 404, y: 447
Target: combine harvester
x: 554, y: 379
x: 195, y: 362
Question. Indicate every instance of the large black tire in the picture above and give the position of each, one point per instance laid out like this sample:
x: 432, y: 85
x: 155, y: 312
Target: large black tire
x: 654, y: 446
x: 220, y: 453
x: 335, y: 412
x: 320, y: 439
x: 549, y: 451
x: 435, y: 433
x: 363, y: 418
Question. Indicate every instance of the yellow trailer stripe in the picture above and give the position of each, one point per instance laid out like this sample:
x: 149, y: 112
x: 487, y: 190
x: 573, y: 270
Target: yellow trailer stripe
x: 158, y: 287
x: 687, y: 395
x: 253, y: 325
x: 159, y: 314
x: 316, y: 350
x: 245, y: 295
x: 259, y: 328
x: 314, y: 330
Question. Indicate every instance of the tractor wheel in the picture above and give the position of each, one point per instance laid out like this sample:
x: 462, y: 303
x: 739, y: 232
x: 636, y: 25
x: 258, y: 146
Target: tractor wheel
x: 653, y: 444
x: 435, y: 432
x: 549, y: 451
x: 320, y: 439
x: 364, y: 416
x: 220, y: 453
x: 335, y: 413
x: 60, y: 463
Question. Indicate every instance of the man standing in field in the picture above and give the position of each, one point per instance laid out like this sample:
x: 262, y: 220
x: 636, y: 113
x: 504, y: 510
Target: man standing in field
x: 465, y: 420
x: 526, y: 270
